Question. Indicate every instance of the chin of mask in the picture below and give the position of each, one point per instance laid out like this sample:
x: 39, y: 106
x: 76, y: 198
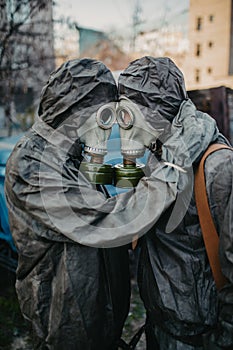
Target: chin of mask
x: 136, y: 135
x: 94, y: 134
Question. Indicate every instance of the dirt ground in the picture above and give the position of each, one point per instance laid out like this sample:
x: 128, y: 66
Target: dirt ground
x: 135, y: 319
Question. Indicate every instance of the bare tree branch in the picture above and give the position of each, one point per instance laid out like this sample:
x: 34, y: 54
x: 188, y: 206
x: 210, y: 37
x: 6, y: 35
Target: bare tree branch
x: 26, y: 47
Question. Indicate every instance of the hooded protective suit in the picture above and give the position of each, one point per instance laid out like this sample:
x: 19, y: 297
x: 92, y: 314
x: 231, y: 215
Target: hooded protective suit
x: 75, y: 294
x: 75, y: 297
x: 174, y: 275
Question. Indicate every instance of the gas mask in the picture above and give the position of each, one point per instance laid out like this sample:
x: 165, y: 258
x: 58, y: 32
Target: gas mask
x: 94, y: 133
x: 136, y: 135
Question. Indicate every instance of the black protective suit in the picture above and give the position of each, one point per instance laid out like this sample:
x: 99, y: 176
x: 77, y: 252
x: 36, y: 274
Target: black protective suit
x: 75, y: 296
x: 174, y: 275
x: 67, y: 289
x: 74, y: 293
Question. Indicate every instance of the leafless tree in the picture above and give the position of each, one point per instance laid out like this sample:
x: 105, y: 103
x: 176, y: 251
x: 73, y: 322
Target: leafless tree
x: 26, y: 49
x: 136, y: 21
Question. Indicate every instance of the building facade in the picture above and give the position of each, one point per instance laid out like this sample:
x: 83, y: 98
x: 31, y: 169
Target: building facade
x: 209, y: 62
x: 166, y: 41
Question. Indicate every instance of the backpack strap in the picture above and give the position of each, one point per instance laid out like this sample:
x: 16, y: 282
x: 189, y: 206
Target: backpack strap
x: 210, y: 235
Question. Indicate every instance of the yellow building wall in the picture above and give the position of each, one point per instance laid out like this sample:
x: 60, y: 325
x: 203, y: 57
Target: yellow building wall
x: 213, y: 38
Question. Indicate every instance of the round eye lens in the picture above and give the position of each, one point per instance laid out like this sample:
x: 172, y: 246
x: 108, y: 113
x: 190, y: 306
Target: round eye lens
x: 125, y: 119
x: 105, y: 118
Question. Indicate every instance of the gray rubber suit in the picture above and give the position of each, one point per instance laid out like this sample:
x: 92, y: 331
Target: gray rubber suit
x: 184, y: 309
x: 75, y: 296
x: 74, y: 292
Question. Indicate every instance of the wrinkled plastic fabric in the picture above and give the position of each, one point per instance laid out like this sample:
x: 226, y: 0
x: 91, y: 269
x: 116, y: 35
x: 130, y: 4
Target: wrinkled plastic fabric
x: 175, y: 279
x: 154, y: 83
x: 75, y: 297
x: 74, y: 293
x: 60, y: 222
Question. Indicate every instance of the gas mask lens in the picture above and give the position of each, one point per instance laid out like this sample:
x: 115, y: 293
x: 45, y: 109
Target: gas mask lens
x: 98, y: 130
x: 106, y: 117
x: 127, y: 174
x: 125, y: 118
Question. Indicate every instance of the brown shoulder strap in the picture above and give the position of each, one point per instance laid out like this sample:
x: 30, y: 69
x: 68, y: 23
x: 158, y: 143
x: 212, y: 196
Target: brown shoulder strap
x: 209, y: 232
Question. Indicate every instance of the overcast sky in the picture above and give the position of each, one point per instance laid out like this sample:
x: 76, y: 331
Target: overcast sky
x: 108, y: 14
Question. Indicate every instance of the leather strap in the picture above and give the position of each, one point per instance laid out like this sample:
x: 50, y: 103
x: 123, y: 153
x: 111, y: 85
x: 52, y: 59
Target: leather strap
x: 134, y: 242
x: 210, y: 235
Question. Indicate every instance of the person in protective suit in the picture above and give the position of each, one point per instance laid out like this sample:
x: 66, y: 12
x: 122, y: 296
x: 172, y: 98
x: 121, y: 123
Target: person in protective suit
x: 74, y: 296
x: 74, y: 292
x: 72, y: 278
x: 184, y: 309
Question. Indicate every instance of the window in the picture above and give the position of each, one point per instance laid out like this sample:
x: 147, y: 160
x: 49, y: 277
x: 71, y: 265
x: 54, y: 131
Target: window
x: 199, y: 23
x: 198, y: 50
x: 209, y: 70
x: 210, y: 44
x: 197, y: 75
x: 211, y: 18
